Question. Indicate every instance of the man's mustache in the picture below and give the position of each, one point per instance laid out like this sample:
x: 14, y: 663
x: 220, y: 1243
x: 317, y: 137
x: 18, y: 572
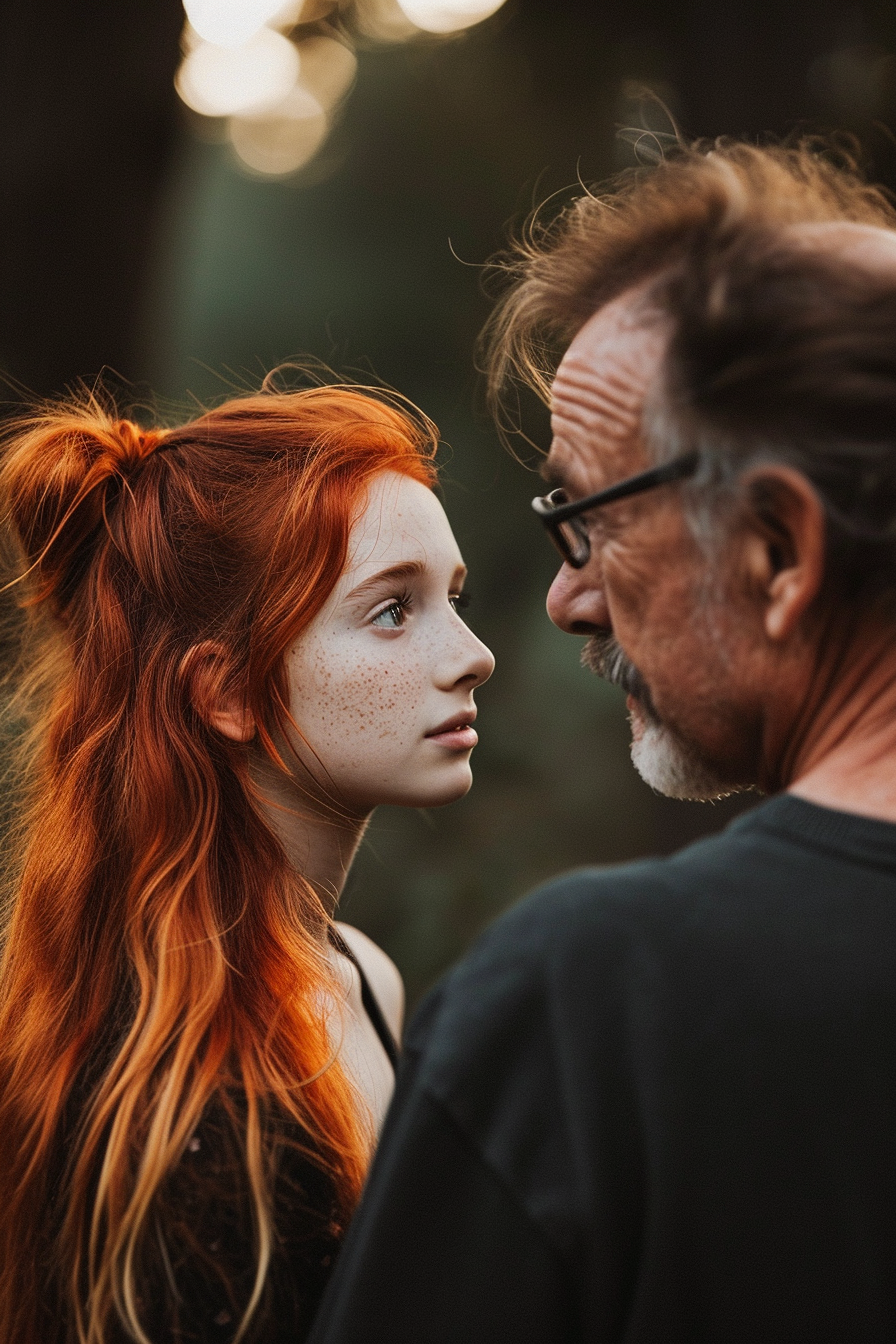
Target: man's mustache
x: 603, y: 656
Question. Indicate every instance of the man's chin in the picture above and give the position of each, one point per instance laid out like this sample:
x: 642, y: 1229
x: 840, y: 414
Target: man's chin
x: 671, y: 766
x: 637, y: 718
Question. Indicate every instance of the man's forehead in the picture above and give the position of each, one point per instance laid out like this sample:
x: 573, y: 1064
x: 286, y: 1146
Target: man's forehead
x: 602, y: 381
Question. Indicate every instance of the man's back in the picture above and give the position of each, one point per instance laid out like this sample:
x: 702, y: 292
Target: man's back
x: 658, y: 1103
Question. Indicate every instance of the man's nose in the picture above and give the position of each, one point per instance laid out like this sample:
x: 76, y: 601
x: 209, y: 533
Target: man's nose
x: 576, y: 601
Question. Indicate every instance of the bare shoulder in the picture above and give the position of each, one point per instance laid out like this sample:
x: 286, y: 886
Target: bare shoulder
x: 382, y: 973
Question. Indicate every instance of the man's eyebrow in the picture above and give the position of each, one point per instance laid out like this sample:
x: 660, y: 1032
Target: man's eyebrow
x: 412, y: 569
x: 550, y: 472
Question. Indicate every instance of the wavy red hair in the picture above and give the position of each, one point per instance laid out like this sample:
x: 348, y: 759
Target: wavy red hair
x: 160, y: 953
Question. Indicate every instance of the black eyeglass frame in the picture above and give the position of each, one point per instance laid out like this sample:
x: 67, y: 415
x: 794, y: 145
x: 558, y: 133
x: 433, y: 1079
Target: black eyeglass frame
x: 553, y: 514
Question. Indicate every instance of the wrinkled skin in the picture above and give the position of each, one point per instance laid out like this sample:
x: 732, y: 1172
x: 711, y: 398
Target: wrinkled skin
x: 735, y: 677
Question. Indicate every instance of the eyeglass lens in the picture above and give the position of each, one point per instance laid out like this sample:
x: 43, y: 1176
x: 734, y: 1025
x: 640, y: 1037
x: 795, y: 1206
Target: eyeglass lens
x: 572, y: 540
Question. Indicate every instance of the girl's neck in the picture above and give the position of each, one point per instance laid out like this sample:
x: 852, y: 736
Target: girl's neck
x: 320, y: 841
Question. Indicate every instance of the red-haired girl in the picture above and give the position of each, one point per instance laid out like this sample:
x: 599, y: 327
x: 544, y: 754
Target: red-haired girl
x: 243, y: 635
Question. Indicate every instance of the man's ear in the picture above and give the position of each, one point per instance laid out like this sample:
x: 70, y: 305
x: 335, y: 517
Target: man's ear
x: 205, y: 669
x: 784, y: 546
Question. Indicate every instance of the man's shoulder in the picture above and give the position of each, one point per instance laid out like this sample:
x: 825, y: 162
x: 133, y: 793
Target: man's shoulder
x: 546, y: 1007
x: 583, y: 947
x: 567, y: 915
x: 764, y: 867
x: 585, y: 925
x: 612, y: 998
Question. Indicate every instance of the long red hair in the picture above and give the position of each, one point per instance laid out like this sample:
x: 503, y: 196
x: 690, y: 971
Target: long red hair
x: 160, y: 954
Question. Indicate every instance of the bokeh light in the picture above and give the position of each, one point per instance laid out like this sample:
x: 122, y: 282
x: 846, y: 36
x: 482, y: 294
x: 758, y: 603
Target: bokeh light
x: 231, y: 23
x: 284, y: 139
x: 220, y: 81
x: 278, y: 69
x: 448, y: 16
x: 384, y: 21
x: 328, y: 69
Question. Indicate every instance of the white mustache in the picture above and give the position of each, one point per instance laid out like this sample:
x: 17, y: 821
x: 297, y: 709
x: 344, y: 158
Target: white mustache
x: 603, y: 656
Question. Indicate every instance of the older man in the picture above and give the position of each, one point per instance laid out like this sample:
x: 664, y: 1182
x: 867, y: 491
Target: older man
x: 658, y: 1102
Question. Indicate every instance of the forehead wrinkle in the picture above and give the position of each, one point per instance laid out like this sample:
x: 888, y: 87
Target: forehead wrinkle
x: 604, y: 377
x: 592, y: 400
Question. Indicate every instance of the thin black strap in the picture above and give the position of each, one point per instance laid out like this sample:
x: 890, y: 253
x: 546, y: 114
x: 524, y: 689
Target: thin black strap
x: 369, y: 1000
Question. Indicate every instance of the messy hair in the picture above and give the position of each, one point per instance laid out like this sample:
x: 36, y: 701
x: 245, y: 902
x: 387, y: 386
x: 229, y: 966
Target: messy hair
x: 777, y: 350
x: 163, y: 965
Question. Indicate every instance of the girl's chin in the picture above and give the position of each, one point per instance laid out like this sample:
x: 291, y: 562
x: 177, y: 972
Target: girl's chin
x: 431, y: 788
x: 436, y: 793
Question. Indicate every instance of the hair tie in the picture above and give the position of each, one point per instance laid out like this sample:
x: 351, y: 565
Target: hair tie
x: 139, y: 443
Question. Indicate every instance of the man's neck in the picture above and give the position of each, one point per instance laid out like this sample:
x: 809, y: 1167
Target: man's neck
x: 847, y: 759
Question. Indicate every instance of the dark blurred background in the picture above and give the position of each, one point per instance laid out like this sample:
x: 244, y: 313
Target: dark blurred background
x: 133, y: 240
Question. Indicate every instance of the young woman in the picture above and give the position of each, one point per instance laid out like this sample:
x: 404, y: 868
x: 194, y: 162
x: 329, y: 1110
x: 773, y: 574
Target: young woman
x: 242, y: 635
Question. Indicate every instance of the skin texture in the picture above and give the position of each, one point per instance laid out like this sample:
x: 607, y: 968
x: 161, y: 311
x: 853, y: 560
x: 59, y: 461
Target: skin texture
x: 389, y: 660
x: 641, y: 585
x: 736, y: 676
x: 385, y: 662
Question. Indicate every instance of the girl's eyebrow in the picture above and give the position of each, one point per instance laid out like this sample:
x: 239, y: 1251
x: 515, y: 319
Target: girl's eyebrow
x: 412, y: 569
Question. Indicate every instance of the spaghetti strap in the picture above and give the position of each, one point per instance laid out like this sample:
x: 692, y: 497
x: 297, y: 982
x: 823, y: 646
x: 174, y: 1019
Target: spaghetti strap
x: 369, y: 1000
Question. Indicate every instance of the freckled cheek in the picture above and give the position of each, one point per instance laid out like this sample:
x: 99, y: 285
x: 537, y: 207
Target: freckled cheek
x: 367, y: 701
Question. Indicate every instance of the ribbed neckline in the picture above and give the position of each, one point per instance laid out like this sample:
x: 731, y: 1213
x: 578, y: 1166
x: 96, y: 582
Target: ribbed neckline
x: 846, y: 833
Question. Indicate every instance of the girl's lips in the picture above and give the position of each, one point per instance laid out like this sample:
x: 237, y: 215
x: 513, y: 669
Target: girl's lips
x: 456, y: 739
x: 457, y: 734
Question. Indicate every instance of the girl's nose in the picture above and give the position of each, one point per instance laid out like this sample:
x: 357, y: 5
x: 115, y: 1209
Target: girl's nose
x: 470, y: 660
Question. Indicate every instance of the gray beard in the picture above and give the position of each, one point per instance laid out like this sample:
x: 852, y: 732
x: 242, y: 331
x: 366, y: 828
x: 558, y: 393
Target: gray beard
x: 661, y: 757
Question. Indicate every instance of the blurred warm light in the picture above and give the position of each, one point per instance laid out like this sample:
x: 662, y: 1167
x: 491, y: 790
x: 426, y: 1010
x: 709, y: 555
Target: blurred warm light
x: 448, y: 16
x: 231, y: 23
x: 221, y: 81
x: 284, y: 138
x: 384, y: 21
x: 279, y: 92
x: 328, y: 69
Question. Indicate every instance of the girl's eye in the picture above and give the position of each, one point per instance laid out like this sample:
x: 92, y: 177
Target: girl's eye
x: 459, y: 601
x: 392, y: 617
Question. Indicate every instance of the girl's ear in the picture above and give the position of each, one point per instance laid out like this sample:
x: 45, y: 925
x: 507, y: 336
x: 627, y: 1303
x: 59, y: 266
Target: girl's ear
x: 204, y: 668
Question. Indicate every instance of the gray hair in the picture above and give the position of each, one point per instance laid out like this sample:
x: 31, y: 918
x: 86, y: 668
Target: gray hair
x: 777, y: 352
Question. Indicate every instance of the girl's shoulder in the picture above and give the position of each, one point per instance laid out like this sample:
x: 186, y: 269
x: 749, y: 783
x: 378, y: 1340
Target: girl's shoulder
x: 382, y: 974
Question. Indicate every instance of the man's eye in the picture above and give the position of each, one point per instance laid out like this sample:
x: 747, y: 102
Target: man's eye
x: 459, y: 601
x: 391, y: 617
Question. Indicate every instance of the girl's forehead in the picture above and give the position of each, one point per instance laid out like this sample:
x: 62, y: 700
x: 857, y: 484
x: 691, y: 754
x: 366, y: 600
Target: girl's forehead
x: 402, y: 521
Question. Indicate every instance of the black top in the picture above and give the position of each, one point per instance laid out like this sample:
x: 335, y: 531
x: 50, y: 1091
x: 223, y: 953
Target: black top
x: 369, y: 1000
x: 195, y: 1280
x: 656, y: 1105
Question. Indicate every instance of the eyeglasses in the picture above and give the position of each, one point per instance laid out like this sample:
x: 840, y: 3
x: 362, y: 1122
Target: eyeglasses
x: 568, y: 529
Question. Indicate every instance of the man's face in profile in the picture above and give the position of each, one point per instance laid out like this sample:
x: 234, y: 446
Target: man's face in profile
x: 658, y: 619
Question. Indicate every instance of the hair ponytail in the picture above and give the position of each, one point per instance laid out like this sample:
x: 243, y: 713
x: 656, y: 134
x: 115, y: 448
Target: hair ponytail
x: 55, y: 479
x: 160, y: 955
